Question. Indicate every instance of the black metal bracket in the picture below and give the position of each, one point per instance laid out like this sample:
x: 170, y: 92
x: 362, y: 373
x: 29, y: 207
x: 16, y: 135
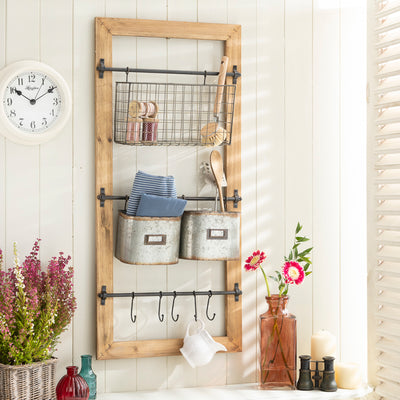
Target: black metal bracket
x: 103, y: 197
x: 236, y: 198
x: 103, y: 295
x: 101, y: 67
x: 236, y: 75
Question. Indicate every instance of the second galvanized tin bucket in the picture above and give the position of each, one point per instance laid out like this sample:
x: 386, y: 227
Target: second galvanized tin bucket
x: 210, y: 235
x: 147, y: 240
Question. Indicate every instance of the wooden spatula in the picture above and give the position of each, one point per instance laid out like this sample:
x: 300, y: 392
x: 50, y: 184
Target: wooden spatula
x: 217, y: 169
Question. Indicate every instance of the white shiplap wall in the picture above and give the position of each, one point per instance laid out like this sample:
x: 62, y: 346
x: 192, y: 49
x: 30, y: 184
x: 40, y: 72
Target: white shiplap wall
x: 303, y: 143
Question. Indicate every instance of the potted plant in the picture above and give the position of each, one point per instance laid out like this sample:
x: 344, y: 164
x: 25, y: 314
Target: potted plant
x: 35, y: 308
x: 278, y: 336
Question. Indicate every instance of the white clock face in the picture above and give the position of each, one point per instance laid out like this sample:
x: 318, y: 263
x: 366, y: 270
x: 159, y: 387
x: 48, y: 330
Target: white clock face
x: 32, y: 102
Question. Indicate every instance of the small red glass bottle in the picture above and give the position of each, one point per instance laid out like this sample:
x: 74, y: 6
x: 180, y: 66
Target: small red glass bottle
x: 72, y: 386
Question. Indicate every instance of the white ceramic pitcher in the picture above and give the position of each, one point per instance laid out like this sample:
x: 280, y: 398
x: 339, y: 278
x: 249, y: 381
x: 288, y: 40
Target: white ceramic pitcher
x: 199, y: 348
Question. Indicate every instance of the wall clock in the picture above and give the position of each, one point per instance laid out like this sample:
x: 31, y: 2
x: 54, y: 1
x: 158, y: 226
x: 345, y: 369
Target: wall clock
x: 36, y: 102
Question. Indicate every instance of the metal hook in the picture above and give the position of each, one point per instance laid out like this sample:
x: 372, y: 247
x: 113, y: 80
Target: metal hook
x: 160, y: 316
x: 205, y: 77
x: 172, y: 309
x: 133, y: 297
x: 208, y: 303
x: 195, y: 306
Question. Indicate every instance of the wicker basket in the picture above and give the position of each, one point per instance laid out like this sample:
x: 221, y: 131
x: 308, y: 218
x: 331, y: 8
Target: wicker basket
x: 28, y: 382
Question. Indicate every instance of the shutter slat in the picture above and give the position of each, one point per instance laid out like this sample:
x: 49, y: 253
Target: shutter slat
x: 388, y: 28
x: 387, y: 151
x: 388, y: 104
x: 384, y: 44
x: 388, y: 11
x: 381, y: 166
x: 387, y: 391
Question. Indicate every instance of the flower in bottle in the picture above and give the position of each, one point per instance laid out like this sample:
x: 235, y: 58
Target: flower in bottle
x: 293, y: 272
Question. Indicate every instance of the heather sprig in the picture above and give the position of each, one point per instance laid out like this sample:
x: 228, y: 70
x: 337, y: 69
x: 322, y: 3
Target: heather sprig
x: 35, y: 307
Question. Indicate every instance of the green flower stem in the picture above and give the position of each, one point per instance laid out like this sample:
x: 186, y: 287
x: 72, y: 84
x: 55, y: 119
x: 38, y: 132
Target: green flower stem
x: 266, y: 281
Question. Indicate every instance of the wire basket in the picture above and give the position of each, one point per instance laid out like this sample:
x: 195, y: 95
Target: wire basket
x: 173, y: 114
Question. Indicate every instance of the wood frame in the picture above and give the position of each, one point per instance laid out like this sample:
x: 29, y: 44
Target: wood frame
x: 105, y: 29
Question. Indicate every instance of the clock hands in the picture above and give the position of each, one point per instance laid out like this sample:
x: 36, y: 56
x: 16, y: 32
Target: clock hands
x: 33, y: 101
x: 50, y: 90
x: 19, y: 93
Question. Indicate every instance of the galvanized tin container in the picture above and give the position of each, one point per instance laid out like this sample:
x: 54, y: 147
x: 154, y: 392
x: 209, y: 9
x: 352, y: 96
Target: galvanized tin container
x: 210, y: 235
x: 147, y: 240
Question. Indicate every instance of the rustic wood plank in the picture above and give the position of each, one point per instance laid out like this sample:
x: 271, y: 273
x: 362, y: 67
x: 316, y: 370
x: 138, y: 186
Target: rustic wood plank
x: 155, y: 348
x: 104, y: 217
x: 233, y: 309
x: 169, y: 29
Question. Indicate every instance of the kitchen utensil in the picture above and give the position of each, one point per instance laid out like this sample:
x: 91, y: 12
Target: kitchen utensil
x: 199, y: 348
x: 213, y: 134
x: 218, y: 172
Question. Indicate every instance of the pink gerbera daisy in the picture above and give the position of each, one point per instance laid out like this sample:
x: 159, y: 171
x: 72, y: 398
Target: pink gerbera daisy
x: 293, y: 272
x: 255, y: 260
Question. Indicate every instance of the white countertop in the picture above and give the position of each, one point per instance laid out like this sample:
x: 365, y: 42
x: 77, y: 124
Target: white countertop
x: 235, y: 392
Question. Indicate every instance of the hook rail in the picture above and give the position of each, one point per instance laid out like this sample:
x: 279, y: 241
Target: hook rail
x: 236, y: 198
x: 102, y: 68
x: 104, y: 295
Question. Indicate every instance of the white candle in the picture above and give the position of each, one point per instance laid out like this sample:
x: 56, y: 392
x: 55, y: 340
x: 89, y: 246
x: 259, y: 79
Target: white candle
x: 348, y: 375
x: 323, y: 343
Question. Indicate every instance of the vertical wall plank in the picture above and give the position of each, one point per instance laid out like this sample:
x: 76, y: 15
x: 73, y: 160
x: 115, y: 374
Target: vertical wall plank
x: 241, y: 367
x: 298, y: 151
x: 56, y: 156
x: 83, y: 183
x: 3, y: 31
x: 372, y: 70
x: 270, y: 144
x: 326, y: 168
x: 353, y: 183
x: 22, y: 162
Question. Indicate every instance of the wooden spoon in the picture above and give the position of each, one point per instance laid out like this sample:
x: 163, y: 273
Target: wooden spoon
x: 218, y: 172
x: 212, y: 133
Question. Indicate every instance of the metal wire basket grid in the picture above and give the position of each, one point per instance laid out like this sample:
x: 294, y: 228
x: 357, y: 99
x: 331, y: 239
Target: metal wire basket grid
x: 173, y: 114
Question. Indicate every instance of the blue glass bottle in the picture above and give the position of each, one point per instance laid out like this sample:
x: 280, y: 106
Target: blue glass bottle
x: 87, y: 373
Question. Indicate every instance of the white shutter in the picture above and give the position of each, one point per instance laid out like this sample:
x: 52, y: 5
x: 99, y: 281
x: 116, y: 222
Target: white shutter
x: 387, y: 196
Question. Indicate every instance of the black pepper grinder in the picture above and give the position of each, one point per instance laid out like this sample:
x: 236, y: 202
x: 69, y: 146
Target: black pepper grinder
x: 305, y: 382
x: 328, y: 379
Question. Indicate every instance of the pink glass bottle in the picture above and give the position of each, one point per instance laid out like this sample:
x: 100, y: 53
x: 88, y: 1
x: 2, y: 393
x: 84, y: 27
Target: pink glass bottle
x: 72, y: 386
x: 277, y: 345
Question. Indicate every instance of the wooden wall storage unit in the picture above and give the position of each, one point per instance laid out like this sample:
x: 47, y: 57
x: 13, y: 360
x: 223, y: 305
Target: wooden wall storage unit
x: 105, y: 29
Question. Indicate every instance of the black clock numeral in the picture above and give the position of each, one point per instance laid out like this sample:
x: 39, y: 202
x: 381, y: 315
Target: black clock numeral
x: 33, y: 124
x: 20, y: 81
x: 52, y: 112
x: 55, y: 101
x: 12, y: 90
x: 13, y: 113
x: 31, y: 78
x: 44, y: 122
x: 43, y: 79
x: 21, y: 122
x: 9, y: 101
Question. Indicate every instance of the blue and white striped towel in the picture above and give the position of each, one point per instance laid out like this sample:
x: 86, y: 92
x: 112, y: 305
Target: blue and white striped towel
x: 149, y: 184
